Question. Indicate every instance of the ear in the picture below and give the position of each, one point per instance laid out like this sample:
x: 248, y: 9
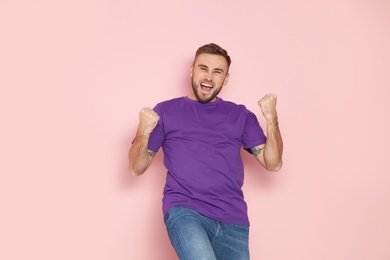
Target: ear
x: 226, y: 79
x: 191, y: 71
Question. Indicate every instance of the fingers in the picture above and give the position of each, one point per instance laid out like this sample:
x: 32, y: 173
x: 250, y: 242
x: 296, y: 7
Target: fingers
x: 268, y: 106
x: 148, y: 119
x: 268, y: 99
x: 148, y: 113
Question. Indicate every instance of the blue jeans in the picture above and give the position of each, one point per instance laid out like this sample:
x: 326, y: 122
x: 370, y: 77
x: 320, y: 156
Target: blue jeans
x: 196, y: 237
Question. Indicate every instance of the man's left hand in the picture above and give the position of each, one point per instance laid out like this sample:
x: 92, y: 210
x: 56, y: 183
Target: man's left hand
x: 268, y: 106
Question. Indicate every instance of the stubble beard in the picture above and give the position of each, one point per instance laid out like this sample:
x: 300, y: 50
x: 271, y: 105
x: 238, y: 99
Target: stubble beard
x: 200, y: 99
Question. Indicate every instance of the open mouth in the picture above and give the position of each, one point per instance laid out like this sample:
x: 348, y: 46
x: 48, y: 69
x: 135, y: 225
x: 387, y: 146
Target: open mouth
x: 206, y: 87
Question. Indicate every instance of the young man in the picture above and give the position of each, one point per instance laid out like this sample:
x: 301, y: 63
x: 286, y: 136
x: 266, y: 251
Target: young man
x: 201, y: 136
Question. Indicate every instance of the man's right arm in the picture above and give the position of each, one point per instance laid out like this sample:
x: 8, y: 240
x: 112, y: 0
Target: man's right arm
x: 140, y: 157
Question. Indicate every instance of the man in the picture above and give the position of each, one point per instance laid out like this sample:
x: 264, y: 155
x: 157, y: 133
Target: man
x: 201, y: 136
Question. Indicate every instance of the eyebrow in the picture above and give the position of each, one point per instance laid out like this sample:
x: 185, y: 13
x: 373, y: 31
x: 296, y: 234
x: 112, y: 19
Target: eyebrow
x: 216, y: 69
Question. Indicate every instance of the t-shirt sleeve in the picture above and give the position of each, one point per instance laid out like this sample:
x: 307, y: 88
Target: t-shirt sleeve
x: 253, y: 133
x: 157, y: 136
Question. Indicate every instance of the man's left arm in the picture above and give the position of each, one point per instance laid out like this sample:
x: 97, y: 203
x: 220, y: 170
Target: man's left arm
x: 270, y: 153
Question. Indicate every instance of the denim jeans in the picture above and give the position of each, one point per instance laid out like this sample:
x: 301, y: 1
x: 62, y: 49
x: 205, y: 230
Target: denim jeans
x: 196, y: 237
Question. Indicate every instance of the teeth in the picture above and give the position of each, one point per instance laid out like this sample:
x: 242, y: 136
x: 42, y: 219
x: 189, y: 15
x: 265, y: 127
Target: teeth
x: 206, y: 85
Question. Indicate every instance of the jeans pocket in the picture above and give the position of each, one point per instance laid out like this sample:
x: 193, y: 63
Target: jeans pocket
x: 166, y: 217
x: 168, y: 214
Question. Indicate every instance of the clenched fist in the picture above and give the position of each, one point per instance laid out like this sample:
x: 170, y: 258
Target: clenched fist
x: 148, y: 119
x: 268, y: 106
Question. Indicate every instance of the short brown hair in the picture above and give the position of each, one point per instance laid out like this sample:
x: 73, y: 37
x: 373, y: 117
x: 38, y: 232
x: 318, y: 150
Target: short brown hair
x: 213, y: 48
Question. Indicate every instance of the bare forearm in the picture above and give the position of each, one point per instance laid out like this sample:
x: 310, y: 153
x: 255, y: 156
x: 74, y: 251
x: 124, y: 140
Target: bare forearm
x: 139, y: 159
x: 273, y: 149
x: 271, y: 156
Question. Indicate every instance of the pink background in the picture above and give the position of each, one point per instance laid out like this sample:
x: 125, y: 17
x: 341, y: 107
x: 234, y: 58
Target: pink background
x: 74, y: 74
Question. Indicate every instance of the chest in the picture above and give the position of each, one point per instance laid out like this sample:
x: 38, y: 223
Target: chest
x: 205, y: 125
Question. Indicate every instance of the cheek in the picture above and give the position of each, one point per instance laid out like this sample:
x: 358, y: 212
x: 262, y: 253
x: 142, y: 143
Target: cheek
x: 221, y: 80
x: 197, y: 74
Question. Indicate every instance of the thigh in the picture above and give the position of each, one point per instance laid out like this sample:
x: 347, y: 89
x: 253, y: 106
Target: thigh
x: 187, y: 234
x: 232, y: 242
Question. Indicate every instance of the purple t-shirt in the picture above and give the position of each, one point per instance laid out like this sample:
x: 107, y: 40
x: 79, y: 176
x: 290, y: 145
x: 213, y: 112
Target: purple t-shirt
x: 201, y: 144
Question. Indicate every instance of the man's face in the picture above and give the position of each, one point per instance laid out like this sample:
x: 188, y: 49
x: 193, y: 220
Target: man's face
x: 209, y: 74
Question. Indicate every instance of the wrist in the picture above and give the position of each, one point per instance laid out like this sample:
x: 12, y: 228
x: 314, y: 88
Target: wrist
x: 272, y: 120
x: 143, y: 133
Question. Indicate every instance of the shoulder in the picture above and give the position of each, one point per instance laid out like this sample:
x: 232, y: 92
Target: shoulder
x: 232, y: 106
x: 169, y: 106
x: 170, y: 102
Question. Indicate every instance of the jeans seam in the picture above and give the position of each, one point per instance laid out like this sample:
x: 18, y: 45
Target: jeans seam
x: 217, y: 231
x: 180, y: 245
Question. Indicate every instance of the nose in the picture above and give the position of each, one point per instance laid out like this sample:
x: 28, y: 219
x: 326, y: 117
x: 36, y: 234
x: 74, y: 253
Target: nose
x: 209, y: 76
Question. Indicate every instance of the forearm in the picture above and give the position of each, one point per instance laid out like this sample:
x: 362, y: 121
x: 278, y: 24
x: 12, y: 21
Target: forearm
x: 273, y: 148
x: 139, y: 159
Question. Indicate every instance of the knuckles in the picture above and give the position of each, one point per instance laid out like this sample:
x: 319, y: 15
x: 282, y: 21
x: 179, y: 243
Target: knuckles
x: 149, y: 114
x: 268, y: 99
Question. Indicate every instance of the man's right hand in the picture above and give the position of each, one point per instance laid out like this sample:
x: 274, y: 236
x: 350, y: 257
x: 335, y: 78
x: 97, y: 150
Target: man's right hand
x: 148, y: 119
